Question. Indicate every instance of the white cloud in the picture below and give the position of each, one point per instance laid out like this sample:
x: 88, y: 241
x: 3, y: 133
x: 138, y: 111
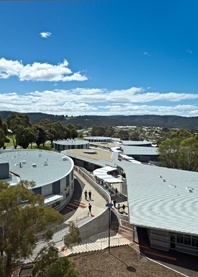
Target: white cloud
x: 145, y: 53
x: 39, y: 71
x: 96, y: 101
x: 45, y: 34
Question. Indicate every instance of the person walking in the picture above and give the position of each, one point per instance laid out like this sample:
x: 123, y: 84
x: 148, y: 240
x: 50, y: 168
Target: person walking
x: 114, y: 203
x: 85, y: 195
x: 89, y: 195
x: 89, y: 207
x: 123, y: 208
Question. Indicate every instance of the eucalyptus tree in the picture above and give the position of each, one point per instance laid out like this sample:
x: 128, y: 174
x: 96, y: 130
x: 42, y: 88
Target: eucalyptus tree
x: 41, y: 134
x: 16, y: 122
x: 2, y: 138
x: 49, y: 264
x: 189, y: 153
x: 22, y: 216
x: 169, y: 153
x: 25, y: 137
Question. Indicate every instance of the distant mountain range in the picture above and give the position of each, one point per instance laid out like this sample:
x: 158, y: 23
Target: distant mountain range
x: 87, y: 121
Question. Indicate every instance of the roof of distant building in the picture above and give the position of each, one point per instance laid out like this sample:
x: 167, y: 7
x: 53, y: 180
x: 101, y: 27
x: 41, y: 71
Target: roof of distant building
x: 99, y: 138
x: 139, y: 150
x: 71, y: 142
x: 134, y: 143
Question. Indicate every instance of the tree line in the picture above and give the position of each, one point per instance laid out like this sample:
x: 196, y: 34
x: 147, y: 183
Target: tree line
x: 180, y: 150
x: 113, y: 132
x: 23, y: 132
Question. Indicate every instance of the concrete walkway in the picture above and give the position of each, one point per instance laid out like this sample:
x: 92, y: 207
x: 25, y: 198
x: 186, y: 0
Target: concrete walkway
x: 97, y: 201
x: 77, y: 211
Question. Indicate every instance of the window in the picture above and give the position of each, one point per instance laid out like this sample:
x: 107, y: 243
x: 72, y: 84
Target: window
x: 56, y: 187
x: 37, y: 190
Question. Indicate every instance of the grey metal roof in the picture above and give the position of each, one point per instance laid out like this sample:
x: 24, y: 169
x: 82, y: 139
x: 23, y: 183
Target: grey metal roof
x: 139, y: 150
x: 99, y: 138
x: 159, y: 197
x: 134, y: 143
x: 163, y: 198
x: 43, y: 167
x: 2, y: 161
x: 71, y: 142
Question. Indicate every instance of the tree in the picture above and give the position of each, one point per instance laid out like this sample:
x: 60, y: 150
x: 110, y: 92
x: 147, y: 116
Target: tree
x: 98, y: 131
x: 25, y: 137
x: 124, y: 135
x: 189, y: 153
x: 135, y: 135
x: 73, y: 236
x: 22, y: 216
x: 17, y: 122
x: 109, y: 131
x: 169, y: 153
x: 2, y: 138
x: 48, y: 264
x: 41, y: 135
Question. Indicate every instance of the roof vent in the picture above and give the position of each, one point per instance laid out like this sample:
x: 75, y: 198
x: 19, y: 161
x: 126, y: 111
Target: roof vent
x: 163, y: 180
x: 24, y: 162
x: 34, y: 165
x: 45, y: 163
x: 64, y: 158
x: 190, y: 189
x: 172, y: 186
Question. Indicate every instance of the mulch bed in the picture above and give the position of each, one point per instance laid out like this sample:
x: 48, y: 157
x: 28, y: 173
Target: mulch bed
x: 122, y: 261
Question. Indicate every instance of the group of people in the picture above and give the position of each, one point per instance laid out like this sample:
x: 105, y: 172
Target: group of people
x: 119, y: 206
x: 87, y: 195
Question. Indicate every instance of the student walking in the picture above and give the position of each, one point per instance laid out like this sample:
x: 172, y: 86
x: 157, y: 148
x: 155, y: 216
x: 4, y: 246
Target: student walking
x: 89, y: 195
x: 89, y: 207
x: 123, y: 208
x: 85, y: 195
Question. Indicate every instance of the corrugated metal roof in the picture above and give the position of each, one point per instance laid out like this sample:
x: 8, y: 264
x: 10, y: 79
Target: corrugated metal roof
x: 71, y: 142
x: 134, y: 143
x: 163, y: 198
x: 139, y: 150
x: 43, y: 167
x: 98, y: 138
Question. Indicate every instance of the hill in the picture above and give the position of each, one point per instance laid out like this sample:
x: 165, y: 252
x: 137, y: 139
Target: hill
x: 86, y: 121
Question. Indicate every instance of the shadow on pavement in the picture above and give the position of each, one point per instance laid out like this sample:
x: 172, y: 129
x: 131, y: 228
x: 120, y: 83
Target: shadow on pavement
x: 74, y: 203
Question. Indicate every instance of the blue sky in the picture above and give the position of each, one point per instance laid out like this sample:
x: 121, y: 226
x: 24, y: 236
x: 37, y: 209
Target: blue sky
x: 99, y: 57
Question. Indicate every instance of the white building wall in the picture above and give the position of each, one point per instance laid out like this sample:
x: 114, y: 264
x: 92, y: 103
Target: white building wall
x: 47, y: 190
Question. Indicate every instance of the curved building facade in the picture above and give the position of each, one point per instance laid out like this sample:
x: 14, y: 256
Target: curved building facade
x: 98, y: 139
x: 61, y: 145
x: 52, y: 173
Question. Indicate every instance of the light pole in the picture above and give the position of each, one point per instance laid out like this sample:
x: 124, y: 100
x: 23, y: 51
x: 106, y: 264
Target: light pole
x: 109, y: 205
